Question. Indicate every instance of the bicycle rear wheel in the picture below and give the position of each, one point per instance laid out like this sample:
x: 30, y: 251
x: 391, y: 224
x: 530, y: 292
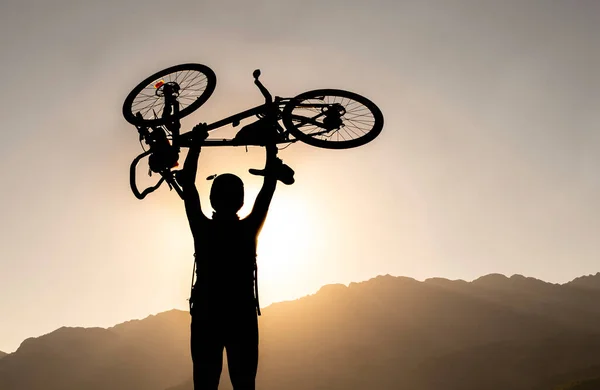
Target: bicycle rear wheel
x: 332, y: 119
x: 196, y: 83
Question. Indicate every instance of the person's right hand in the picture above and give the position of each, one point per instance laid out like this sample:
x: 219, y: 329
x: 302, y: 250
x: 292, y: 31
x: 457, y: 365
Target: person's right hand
x: 199, y: 132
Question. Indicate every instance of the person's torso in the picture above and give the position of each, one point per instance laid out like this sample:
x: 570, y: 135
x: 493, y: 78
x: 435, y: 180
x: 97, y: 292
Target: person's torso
x: 225, y: 261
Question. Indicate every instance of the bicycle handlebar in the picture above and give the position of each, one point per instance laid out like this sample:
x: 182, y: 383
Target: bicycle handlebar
x: 132, y: 181
x: 164, y: 177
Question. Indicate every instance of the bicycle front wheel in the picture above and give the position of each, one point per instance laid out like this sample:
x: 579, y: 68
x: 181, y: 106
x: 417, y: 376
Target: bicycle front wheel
x: 332, y: 119
x: 195, y: 83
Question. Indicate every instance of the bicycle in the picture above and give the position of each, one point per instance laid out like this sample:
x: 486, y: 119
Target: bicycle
x: 326, y: 118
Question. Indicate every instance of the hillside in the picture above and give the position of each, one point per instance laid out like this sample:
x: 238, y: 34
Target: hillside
x: 592, y: 384
x: 152, y: 354
x: 386, y: 333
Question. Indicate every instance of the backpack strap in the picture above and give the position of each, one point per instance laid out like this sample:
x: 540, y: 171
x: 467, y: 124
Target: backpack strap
x: 191, y: 299
x: 256, y: 287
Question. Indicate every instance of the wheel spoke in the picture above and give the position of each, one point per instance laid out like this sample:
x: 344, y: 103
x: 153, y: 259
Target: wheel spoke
x: 146, y: 108
x: 359, y: 115
x: 185, y: 77
x: 146, y: 99
x: 157, y: 112
x: 346, y: 129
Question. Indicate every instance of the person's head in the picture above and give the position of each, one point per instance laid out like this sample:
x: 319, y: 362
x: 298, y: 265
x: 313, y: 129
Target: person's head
x: 227, y: 194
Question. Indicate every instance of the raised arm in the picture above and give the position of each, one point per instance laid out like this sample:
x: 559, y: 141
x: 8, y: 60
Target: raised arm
x: 187, y: 179
x: 263, y: 199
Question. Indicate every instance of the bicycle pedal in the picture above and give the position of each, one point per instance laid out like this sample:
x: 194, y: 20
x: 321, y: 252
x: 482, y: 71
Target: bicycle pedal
x: 286, y: 175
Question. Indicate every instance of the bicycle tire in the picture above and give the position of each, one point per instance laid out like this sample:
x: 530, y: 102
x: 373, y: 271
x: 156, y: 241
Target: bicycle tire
x: 130, y: 107
x: 363, y: 111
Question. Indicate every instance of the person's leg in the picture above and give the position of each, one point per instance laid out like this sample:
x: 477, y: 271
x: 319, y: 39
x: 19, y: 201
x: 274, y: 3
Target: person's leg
x: 207, y: 353
x: 241, y: 344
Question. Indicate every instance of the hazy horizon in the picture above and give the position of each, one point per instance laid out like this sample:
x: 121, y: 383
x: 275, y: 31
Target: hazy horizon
x: 308, y: 294
x: 488, y: 161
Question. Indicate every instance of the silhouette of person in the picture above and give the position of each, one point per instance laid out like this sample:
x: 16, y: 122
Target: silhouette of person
x: 224, y: 299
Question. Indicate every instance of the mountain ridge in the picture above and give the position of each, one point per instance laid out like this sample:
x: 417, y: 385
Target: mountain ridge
x: 385, y: 332
x: 590, y: 281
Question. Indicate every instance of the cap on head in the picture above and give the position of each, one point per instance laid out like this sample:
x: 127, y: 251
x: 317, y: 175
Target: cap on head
x: 227, y: 193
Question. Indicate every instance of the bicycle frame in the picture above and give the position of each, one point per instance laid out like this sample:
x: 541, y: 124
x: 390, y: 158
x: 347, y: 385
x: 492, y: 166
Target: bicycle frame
x: 235, y: 120
x: 167, y: 153
x: 185, y: 140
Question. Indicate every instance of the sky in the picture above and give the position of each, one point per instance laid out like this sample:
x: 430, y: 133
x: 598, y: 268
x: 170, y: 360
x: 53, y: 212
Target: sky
x: 488, y: 161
